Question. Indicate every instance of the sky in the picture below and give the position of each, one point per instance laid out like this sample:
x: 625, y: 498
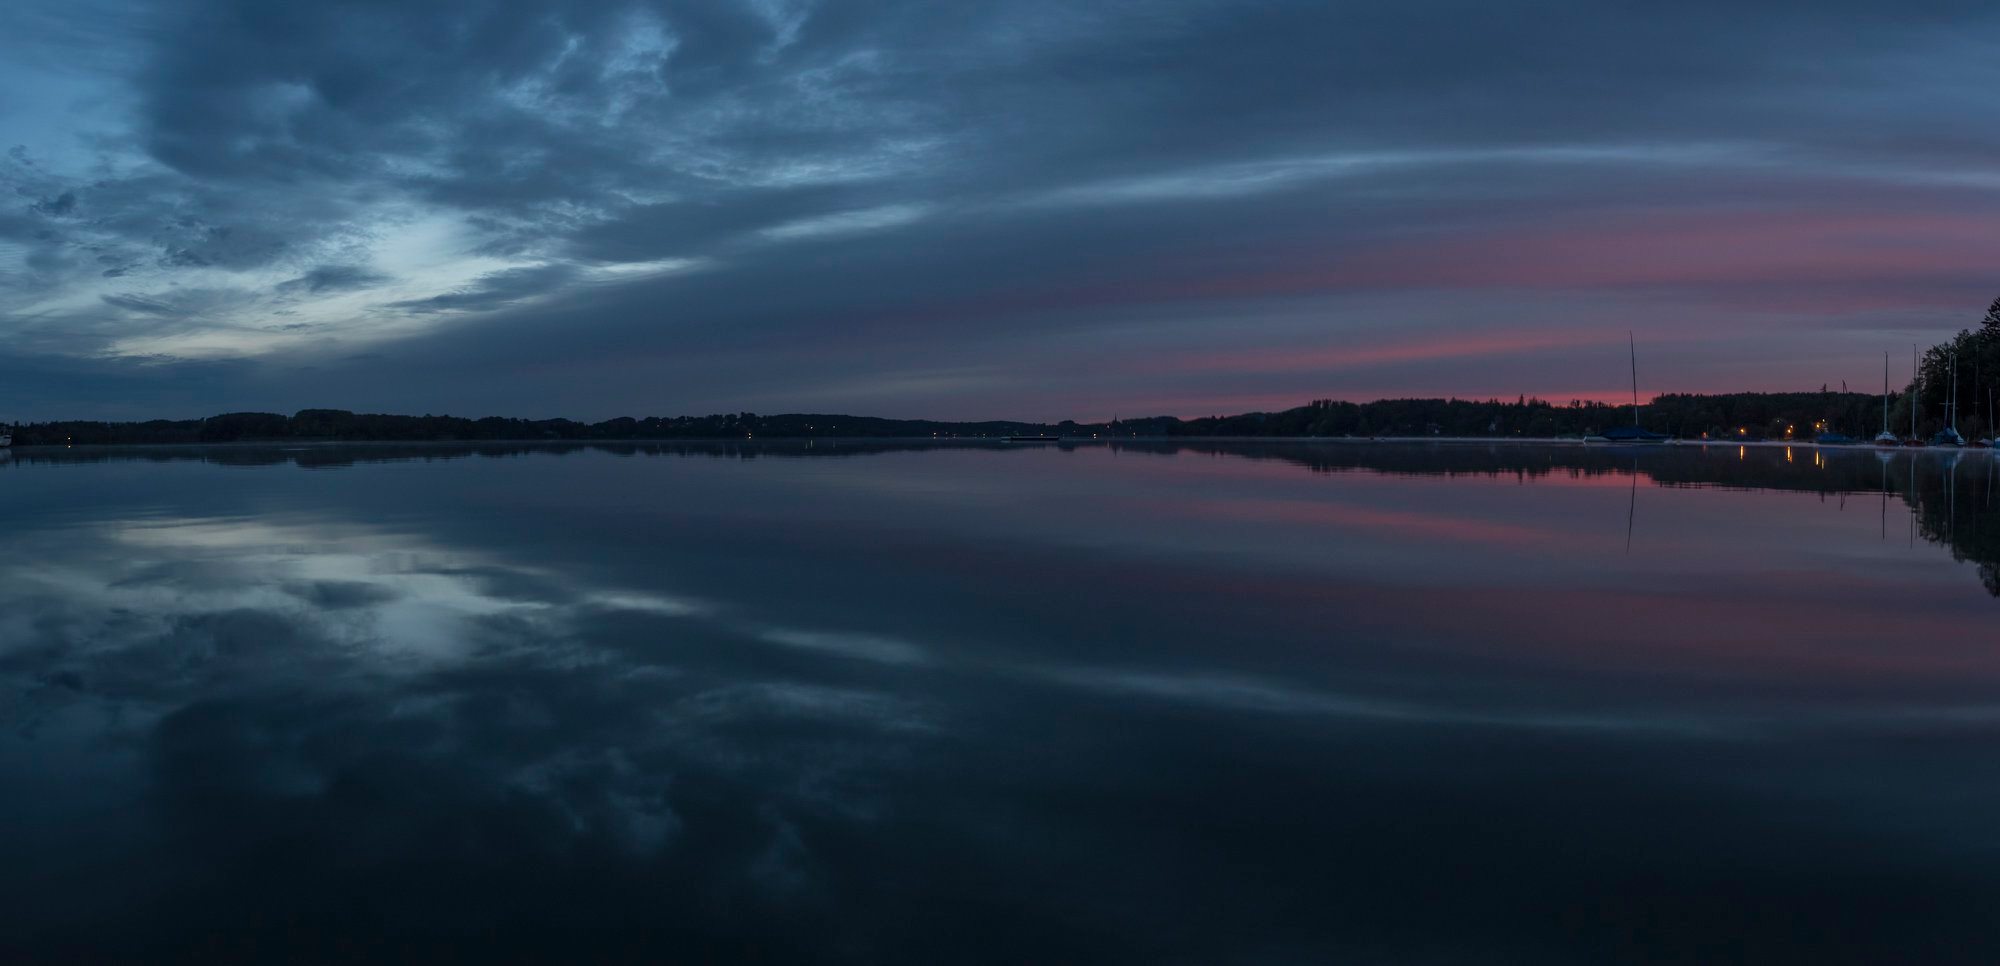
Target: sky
x: 1032, y: 209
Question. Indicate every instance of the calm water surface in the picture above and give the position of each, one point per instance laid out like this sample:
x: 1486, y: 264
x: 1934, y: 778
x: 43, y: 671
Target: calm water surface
x: 1203, y: 703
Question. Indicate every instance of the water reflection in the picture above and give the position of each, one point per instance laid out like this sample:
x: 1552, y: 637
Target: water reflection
x: 417, y: 736
x: 1154, y: 702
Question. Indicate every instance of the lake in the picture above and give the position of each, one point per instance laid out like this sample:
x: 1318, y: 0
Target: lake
x: 853, y: 702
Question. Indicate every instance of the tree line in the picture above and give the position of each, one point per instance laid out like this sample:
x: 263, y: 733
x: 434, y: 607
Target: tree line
x: 1976, y: 353
x: 1743, y: 415
x: 341, y: 425
x: 1732, y: 415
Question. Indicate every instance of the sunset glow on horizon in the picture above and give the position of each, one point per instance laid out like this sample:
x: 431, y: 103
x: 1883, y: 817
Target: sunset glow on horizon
x: 1018, y: 210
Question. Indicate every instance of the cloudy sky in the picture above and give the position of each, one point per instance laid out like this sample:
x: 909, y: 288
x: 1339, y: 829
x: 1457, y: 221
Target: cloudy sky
x: 1032, y: 209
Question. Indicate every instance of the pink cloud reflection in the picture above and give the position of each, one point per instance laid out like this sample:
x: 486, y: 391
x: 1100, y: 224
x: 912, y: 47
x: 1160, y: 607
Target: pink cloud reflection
x: 1404, y: 524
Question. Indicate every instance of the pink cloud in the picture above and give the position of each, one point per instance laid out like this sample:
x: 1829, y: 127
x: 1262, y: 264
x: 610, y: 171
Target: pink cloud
x: 1662, y: 248
x: 1423, y: 349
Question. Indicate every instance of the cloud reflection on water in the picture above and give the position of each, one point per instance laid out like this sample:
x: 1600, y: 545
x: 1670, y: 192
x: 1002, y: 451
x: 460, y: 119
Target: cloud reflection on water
x: 678, y: 704
x: 350, y: 679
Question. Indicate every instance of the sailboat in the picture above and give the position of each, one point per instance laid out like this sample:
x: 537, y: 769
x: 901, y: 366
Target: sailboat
x: 1916, y: 396
x: 1633, y: 434
x: 1948, y: 436
x: 1885, y: 438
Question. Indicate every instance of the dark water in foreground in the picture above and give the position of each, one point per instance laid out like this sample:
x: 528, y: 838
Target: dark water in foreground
x: 1212, y: 703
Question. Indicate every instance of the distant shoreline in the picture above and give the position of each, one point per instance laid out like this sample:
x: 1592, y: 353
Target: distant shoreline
x: 1771, y: 416
x: 995, y: 442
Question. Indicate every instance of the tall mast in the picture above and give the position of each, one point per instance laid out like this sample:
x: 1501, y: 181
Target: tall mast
x: 1635, y: 377
x: 1916, y: 388
x: 1885, y: 392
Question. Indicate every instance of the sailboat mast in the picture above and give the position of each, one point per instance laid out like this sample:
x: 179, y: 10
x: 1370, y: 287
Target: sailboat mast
x: 1916, y: 388
x: 1885, y: 392
x: 1635, y: 378
x: 1953, y: 408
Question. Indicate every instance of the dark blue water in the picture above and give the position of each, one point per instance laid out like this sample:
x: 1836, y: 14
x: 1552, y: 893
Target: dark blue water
x: 1258, y: 703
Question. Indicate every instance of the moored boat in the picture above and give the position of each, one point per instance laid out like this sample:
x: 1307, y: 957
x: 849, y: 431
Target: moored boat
x: 1949, y: 435
x: 1916, y: 396
x: 1886, y: 438
x: 1629, y: 436
x: 1632, y: 435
